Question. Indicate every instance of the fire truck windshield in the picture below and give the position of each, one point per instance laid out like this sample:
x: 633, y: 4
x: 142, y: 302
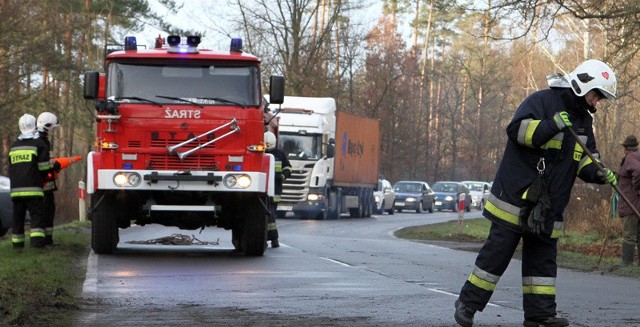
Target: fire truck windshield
x: 196, y: 84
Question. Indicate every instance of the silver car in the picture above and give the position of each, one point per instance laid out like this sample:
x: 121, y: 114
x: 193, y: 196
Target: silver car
x: 479, y: 193
x: 385, y: 197
x: 6, y: 206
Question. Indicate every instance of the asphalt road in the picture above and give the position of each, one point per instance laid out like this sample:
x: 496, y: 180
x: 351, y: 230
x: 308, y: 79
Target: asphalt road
x: 347, y: 272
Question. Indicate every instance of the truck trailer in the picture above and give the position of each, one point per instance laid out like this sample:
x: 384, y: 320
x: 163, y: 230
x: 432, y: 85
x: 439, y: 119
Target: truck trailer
x: 179, y: 142
x: 334, y: 155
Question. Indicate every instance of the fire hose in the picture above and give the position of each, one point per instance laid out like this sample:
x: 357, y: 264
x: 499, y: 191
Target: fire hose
x: 602, y: 170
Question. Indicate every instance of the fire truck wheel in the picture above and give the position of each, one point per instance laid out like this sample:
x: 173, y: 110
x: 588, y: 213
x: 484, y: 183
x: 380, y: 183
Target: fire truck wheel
x: 253, y: 235
x: 104, y: 224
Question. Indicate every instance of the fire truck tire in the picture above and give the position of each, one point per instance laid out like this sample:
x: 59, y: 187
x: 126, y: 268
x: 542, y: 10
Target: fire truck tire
x: 104, y: 225
x: 253, y: 237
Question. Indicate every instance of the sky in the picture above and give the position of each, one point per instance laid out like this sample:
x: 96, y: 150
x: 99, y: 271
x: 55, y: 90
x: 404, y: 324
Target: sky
x: 193, y: 13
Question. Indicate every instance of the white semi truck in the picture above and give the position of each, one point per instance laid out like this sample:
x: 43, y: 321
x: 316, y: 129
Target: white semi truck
x: 334, y: 156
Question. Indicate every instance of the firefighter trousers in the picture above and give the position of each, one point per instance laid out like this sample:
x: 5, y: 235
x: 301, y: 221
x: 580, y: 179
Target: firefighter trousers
x: 49, y: 212
x: 539, y: 271
x: 272, y: 228
x: 35, y: 207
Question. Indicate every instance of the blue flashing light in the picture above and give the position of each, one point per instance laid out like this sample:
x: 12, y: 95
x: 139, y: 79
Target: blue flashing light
x: 236, y: 45
x: 236, y: 167
x: 127, y: 166
x: 130, y: 43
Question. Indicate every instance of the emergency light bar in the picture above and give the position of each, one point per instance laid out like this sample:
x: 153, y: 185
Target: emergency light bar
x: 176, y: 46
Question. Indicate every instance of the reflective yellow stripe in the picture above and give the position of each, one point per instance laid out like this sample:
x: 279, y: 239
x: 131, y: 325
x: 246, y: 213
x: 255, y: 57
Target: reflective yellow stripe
x: 278, y: 166
x: 27, y: 193
x: 555, y: 142
x: 503, y: 210
x: 37, y: 234
x: 481, y: 283
x: 526, y: 130
x: 22, y: 154
x: 539, y: 290
x: 17, y: 239
x: 558, y: 226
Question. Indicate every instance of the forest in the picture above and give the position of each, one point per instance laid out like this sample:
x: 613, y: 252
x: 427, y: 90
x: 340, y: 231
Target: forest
x: 444, y: 77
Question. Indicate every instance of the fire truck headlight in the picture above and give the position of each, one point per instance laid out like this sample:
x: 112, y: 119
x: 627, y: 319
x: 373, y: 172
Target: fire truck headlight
x: 237, y: 181
x: 126, y: 179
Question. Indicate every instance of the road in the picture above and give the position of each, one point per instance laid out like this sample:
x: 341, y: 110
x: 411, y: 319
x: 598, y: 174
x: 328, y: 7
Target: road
x: 347, y: 272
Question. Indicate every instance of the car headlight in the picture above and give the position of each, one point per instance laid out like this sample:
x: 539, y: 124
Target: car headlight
x: 378, y: 199
x: 448, y: 198
x: 126, y: 179
x: 237, y: 181
x: 411, y: 200
x: 315, y: 197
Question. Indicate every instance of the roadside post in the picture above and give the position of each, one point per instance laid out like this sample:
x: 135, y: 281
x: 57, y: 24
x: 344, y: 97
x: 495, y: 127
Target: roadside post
x: 461, y: 198
x: 82, y: 195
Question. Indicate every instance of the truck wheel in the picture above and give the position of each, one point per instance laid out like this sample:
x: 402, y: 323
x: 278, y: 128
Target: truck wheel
x: 104, y: 224
x: 335, y: 204
x: 253, y: 233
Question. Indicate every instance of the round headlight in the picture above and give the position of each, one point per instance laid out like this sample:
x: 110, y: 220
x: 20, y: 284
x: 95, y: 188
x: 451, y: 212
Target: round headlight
x: 244, y: 181
x: 120, y: 179
x: 230, y: 181
x: 134, y: 179
x: 449, y: 198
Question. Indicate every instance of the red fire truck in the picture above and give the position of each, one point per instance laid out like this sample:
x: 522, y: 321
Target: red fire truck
x: 179, y: 142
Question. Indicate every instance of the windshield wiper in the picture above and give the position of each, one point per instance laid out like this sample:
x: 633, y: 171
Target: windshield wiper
x: 223, y: 100
x: 138, y: 99
x: 180, y: 99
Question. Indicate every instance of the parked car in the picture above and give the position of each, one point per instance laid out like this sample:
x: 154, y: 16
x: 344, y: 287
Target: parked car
x: 413, y: 195
x: 447, y: 194
x: 479, y: 193
x: 6, y: 206
x: 385, y: 197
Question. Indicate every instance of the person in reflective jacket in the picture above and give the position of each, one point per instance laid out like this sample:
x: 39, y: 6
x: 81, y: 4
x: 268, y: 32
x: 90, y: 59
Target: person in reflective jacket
x: 532, y: 187
x: 283, y: 171
x: 29, y: 164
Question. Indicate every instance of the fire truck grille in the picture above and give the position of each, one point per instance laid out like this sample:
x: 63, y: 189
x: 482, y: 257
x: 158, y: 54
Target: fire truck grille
x: 161, y: 161
x: 197, y: 160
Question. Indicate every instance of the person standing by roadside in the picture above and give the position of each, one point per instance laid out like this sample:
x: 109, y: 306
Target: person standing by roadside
x: 283, y: 171
x: 29, y: 164
x: 532, y: 188
x: 629, y: 177
x: 45, y: 123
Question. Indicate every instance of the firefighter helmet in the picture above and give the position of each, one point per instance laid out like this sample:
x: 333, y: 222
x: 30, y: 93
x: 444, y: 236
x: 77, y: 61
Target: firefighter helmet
x: 593, y: 74
x: 269, y: 140
x: 27, y: 124
x: 46, y: 122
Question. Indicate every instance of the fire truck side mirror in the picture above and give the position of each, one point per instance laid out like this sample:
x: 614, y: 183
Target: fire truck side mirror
x: 91, y: 81
x: 276, y: 89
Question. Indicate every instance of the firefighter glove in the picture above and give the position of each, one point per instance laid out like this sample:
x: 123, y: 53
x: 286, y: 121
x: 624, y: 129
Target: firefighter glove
x: 608, y: 176
x: 535, y: 222
x: 562, y: 120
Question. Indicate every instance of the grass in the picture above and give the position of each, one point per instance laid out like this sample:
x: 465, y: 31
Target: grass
x: 42, y: 287
x: 585, y: 252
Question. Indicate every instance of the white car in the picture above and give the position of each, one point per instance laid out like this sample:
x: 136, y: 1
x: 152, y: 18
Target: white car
x: 479, y: 193
x: 385, y: 196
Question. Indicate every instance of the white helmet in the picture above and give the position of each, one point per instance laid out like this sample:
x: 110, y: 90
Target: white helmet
x: 46, y: 122
x: 269, y: 140
x: 27, y: 124
x: 593, y: 74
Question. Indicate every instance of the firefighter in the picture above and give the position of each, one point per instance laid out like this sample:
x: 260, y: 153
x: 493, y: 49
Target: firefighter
x: 45, y: 123
x: 283, y: 171
x: 29, y: 164
x: 532, y: 187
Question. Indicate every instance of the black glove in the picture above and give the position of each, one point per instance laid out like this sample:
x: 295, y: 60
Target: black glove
x: 56, y: 166
x: 535, y: 222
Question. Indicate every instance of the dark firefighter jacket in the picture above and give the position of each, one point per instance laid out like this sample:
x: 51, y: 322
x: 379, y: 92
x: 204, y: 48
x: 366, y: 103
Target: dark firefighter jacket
x: 283, y: 171
x: 29, y: 164
x: 534, y: 135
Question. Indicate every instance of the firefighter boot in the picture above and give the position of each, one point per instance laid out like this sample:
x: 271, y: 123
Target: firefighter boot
x: 627, y: 254
x: 464, y: 314
x: 550, y: 321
